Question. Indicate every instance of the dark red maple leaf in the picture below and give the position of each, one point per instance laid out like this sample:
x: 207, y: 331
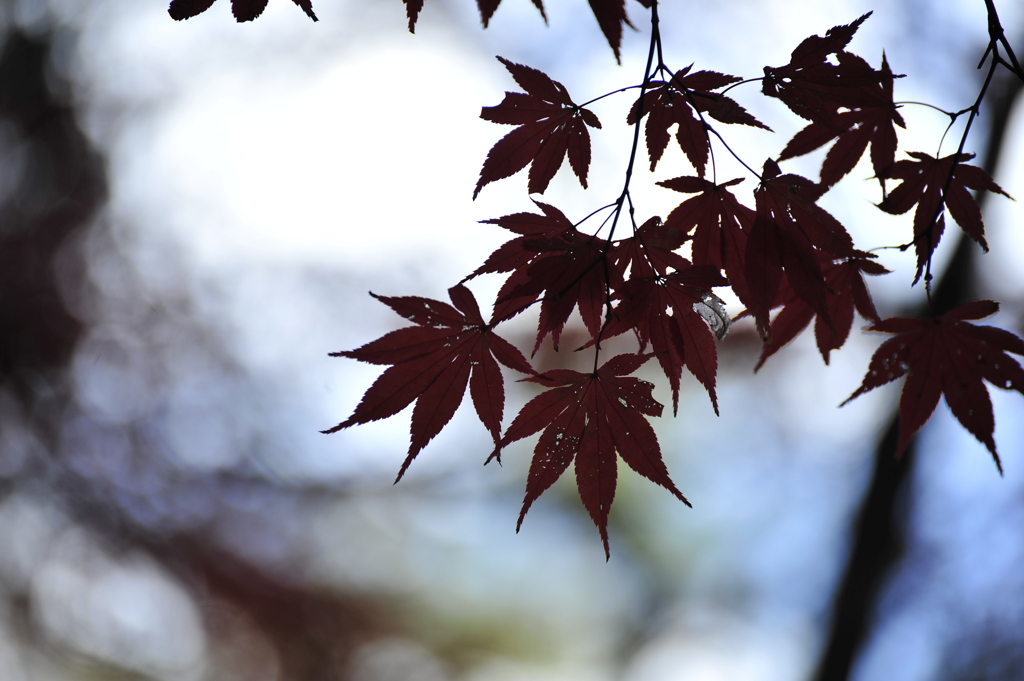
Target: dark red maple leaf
x: 590, y: 417
x: 853, y: 129
x: 946, y: 356
x: 719, y: 223
x: 787, y: 229
x: 516, y: 253
x: 846, y: 291
x: 243, y: 10
x: 672, y: 103
x: 554, y: 260
x: 925, y: 181
x: 815, y: 88
x: 668, y: 312
x: 551, y: 127
x: 412, y: 12
x: 611, y: 15
x: 432, y: 364
x: 651, y: 251
x: 566, y: 274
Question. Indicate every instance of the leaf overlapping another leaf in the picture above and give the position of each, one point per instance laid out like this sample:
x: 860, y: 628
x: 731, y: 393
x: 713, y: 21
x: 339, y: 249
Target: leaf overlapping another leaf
x: 517, y: 252
x: 872, y: 121
x: 663, y: 312
x: 815, y: 88
x: 790, y: 232
x: 432, y: 364
x: 720, y: 226
x: 651, y: 251
x: 946, y: 356
x: 588, y: 418
x: 846, y: 292
x: 555, y: 261
x: 551, y: 128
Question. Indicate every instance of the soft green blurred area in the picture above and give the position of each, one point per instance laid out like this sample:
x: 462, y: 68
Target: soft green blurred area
x: 212, y: 203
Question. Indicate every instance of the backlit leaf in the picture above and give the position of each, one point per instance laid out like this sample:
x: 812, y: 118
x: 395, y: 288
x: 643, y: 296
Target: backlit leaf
x: 432, y: 364
x: 946, y: 356
x: 589, y: 418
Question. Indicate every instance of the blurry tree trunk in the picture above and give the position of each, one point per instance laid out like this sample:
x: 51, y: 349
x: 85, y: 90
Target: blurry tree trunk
x: 54, y: 182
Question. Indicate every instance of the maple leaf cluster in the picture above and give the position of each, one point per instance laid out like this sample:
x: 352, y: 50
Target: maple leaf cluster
x: 786, y: 259
x: 657, y: 283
